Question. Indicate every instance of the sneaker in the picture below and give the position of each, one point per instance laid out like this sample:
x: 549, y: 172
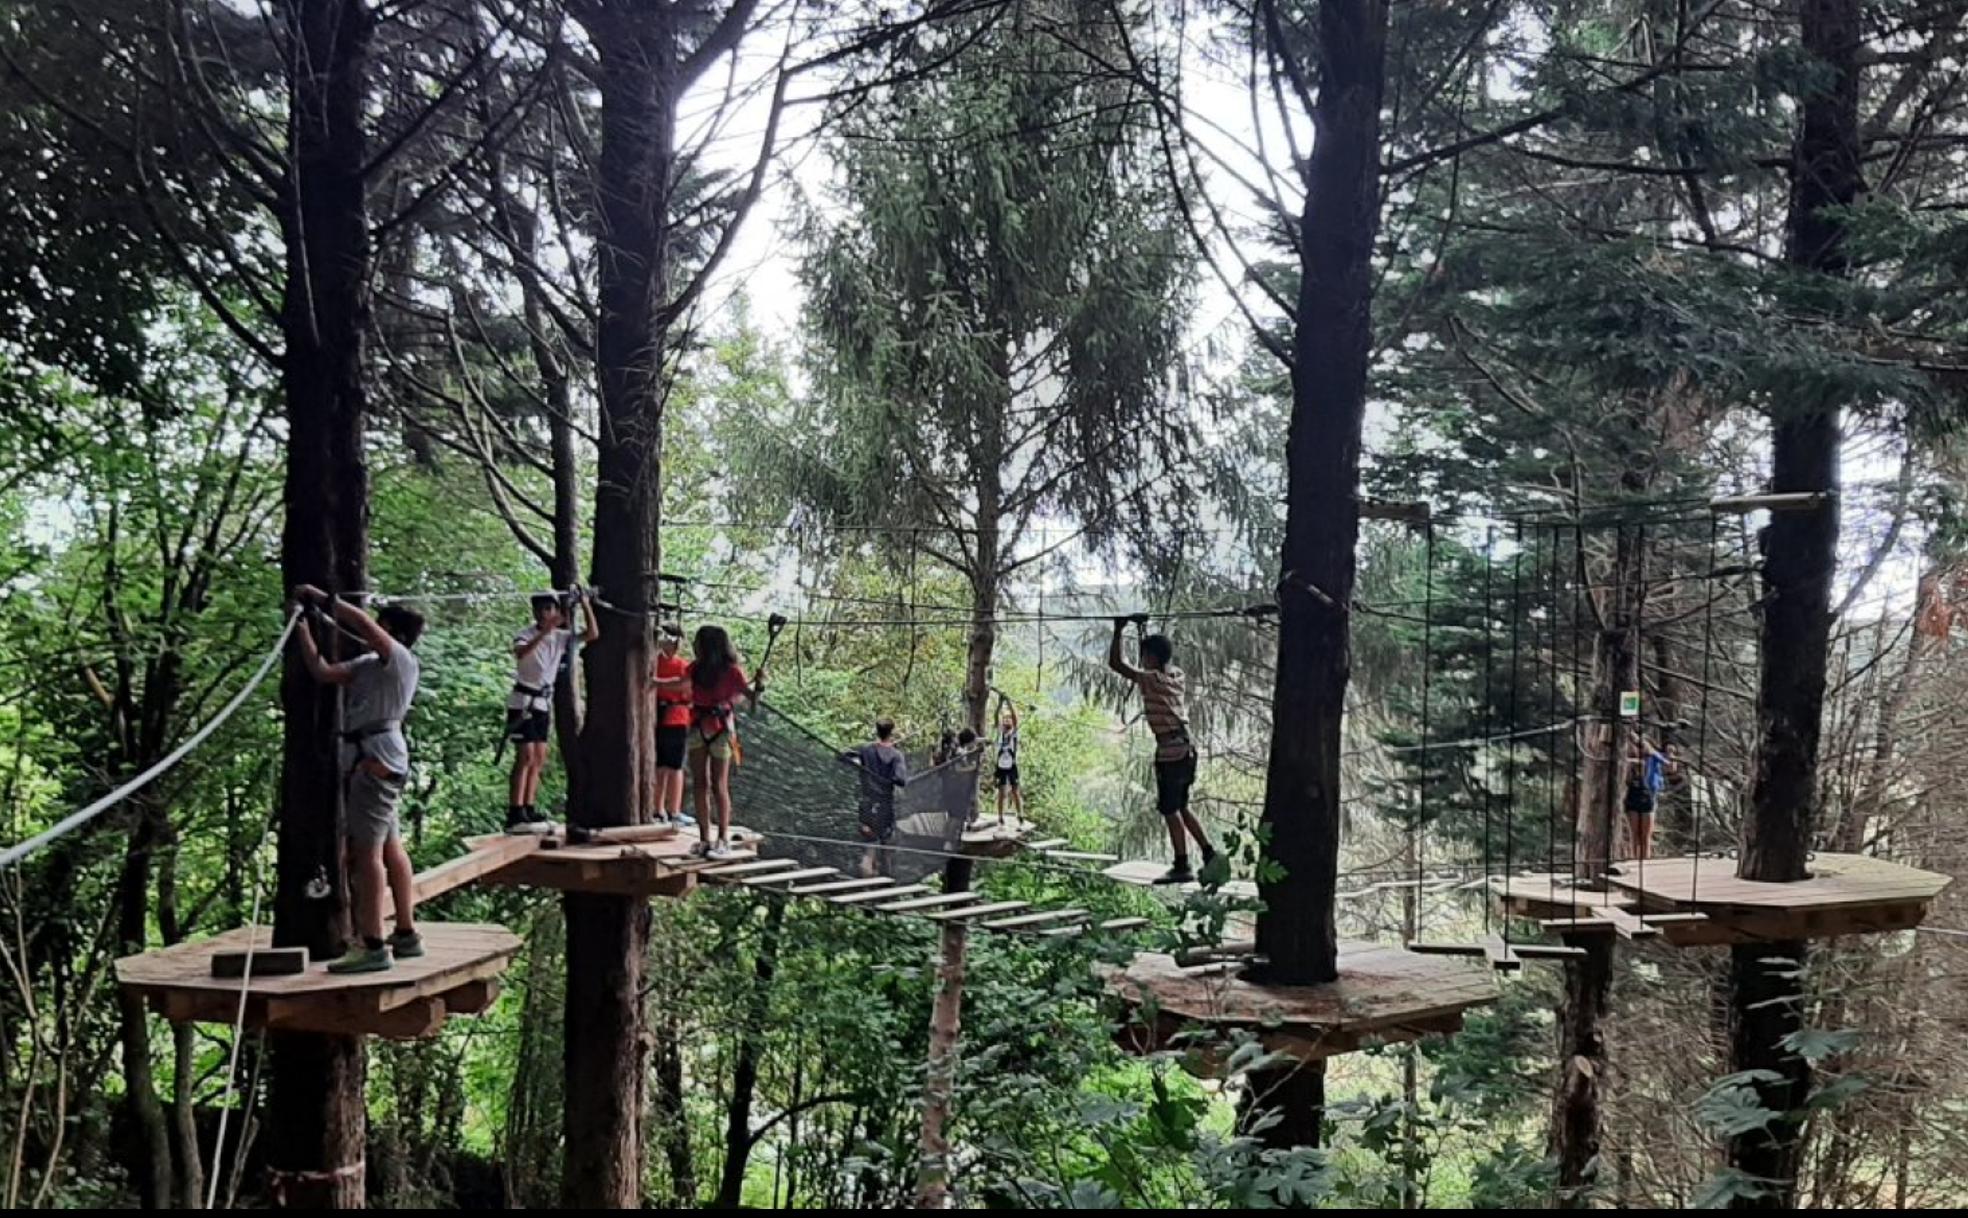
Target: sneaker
x: 1178, y: 874
x: 721, y: 851
x: 406, y: 945
x: 360, y: 959
x: 526, y: 820
x: 699, y: 848
x: 684, y: 820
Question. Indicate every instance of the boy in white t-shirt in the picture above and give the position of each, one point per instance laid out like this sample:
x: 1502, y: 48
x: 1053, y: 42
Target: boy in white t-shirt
x: 538, y: 652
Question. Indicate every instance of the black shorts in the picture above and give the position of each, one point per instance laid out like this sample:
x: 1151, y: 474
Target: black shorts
x: 528, y: 726
x: 877, y: 822
x: 669, y: 746
x: 1008, y: 777
x: 1639, y: 800
x: 1172, y: 782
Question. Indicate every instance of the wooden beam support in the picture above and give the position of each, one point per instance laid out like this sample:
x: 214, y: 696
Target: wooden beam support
x: 483, y: 860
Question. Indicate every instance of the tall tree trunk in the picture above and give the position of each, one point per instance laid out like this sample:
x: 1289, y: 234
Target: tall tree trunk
x: 1615, y: 669
x: 744, y: 1074
x: 316, y: 1086
x: 945, y: 1039
x: 673, y: 1118
x: 156, y: 1187
x: 1799, y: 561
x: 606, y: 935
x: 1576, y: 1107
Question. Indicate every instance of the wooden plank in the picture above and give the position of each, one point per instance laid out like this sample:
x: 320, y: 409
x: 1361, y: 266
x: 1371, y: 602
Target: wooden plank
x: 1083, y: 856
x: 720, y: 870
x: 626, y: 834
x: 880, y: 894
x: 1625, y: 925
x: 1022, y: 921
x: 266, y: 962
x: 1118, y: 924
x: 471, y: 998
x: 495, y: 855
x: 939, y: 901
x: 980, y: 911
x: 1547, y: 951
x: 1050, y: 843
x: 1502, y: 957
x: 789, y: 877
x: 816, y: 890
x: 1589, y: 925
x: 1448, y: 949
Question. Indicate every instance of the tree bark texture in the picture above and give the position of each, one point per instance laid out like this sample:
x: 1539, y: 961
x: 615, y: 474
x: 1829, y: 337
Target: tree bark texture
x: 316, y: 1117
x: 1331, y: 347
x: 1800, y: 559
x: 1577, y: 1107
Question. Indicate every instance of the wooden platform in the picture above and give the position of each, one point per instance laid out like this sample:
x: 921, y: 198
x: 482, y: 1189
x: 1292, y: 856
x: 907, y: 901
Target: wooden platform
x: 1384, y: 995
x: 647, y: 861
x: 1846, y: 894
x: 986, y: 838
x: 1143, y: 873
x: 457, y: 975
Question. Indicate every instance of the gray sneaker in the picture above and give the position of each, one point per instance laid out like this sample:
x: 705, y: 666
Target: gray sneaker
x: 360, y: 959
x: 406, y: 945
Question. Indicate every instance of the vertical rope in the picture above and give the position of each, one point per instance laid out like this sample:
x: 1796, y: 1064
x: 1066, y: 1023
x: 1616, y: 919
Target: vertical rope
x: 1539, y: 565
x: 915, y: 631
x: 1489, y: 744
x: 1580, y: 700
x: 1513, y: 721
x: 1419, y: 830
x: 1701, y: 737
x: 1038, y: 679
x: 1639, y: 637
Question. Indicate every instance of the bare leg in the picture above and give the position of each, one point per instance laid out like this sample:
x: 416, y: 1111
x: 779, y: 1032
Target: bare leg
x: 670, y: 793
x: 1643, y: 837
x: 700, y: 791
x: 516, y: 783
x: 1195, y: 828
x: 1018, y: 802
x: 536, y: 764
x: 402, y: 883
x: 1180, y: 846
x: 721, y: 778
x: 1003, y: 794
x: 366, y: 878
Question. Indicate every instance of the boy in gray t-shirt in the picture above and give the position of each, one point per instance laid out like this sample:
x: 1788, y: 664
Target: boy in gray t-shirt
x: 375, y: 760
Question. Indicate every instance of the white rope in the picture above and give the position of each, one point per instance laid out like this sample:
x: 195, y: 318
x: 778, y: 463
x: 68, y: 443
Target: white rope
x: 238, y: 1032
x: 69, y: 824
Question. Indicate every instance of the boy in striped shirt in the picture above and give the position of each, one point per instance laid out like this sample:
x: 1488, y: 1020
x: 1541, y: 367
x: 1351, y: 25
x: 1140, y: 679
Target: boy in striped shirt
x: 1161, y: 687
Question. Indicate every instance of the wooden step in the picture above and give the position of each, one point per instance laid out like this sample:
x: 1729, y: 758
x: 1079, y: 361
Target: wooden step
x: 721, y: 870
x: 1114, y: 924
x: 980, y: 911
x: 831, y: 886
x: 939, y: 901
x: 1547, y: 951
x: 1023, y: 921
x: 789, y: 877
x: 1082, y: 856
x: 1050, y: 843
x: 878, y: 894
x: 1421, y: 948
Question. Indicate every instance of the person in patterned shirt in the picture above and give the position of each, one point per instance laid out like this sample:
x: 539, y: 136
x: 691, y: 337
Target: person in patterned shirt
x: 1161, y: 685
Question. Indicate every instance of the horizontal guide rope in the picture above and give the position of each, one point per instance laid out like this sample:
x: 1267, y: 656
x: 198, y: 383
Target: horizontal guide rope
x: 76, y: 820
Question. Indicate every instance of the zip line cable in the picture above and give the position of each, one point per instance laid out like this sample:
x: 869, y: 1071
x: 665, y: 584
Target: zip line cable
x: 13, y: 855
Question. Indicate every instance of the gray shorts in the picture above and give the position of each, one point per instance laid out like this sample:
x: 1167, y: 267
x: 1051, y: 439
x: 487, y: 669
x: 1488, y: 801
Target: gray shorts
x: 369, y: 811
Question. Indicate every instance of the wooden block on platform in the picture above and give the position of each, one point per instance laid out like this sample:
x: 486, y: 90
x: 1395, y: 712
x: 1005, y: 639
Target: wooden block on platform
x: 886, y: 893
x: 985, y: 910
x: 265, y: 961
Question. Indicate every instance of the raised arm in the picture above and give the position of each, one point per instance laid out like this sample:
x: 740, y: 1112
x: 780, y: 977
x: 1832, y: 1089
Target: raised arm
x: 318, y: 668
x: 590, y: 624
x: 1116, y: 660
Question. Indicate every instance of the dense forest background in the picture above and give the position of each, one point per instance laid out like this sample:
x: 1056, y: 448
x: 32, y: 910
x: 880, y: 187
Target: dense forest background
x: 948, y: 330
